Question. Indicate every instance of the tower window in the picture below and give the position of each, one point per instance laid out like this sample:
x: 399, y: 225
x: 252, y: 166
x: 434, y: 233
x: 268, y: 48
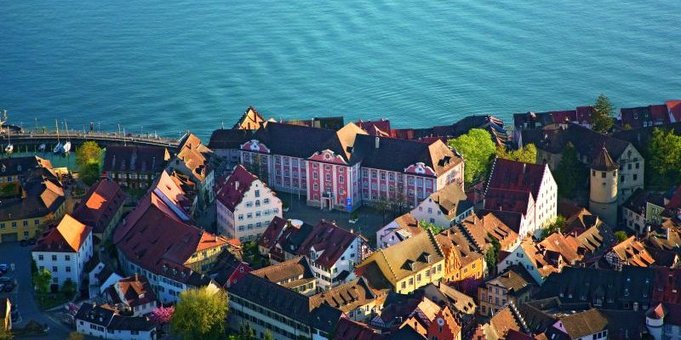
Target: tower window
x: 603, y: 174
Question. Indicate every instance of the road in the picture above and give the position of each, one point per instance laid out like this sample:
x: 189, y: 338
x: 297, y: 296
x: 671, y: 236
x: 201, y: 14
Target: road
x: 23, y: 294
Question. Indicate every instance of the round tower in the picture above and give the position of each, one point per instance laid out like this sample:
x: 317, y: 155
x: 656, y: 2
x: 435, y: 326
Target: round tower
x: 603, y: 187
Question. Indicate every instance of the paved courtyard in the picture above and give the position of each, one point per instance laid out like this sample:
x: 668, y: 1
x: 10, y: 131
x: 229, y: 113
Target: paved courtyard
x: 370, y: 220
x: 22, y: 296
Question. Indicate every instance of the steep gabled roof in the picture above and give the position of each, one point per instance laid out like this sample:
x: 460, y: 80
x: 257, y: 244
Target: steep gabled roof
x: 632, y: 252
x: 250, y: 120
x: 157, y: 235
x: 516, y: 176
x: 231, y: 191
x: 582, y: 324
x: 134, y: 158
x: 100, y: 204
x: 68, y: 236
x: 452, y: 200
x: 285, y: 271
x: 346, y: 297
x: 481, y: 230
x: 405, y: 258
x: 134, y: 291
x: 329, y: 239
x: 194, y: 155
x: 295, y: 140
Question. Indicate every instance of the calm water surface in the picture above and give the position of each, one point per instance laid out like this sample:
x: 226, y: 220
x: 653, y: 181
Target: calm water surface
x: 167, y: 66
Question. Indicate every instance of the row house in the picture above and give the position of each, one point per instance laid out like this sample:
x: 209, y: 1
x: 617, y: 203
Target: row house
x: 462, y: 260
x: 551, y: 142
x: 444, y: 207
x: 331, y: 250
x: 344, y: 169
x: 398, y: 230
x: 546, y: 257
x: 64, y: 251
x: 514, y: 285
x: 295, y: 274
x: 630, y: 252
x: 101, y: 208
x: 266, y: 307
x: 356, y: 299
x: 643, y: 209
x: 405, y: 266
x: 486, y: 228
x: 33, y: 197
x: 159, y: 241
x: 133, y: 295
x: 522, y: 188
x: 134, y: 167
x: 417, y: 315
x: 106, y: 322
x: 245, y: 205
x: 193, y: 161
x: 538, y: 120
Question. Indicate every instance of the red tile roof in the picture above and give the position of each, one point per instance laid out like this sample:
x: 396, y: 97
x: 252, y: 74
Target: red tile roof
x: 674, y: 107
x: 330, y: 239
x: 512, y: 175
x: 584, y: 114
x: 68, y: 236
x: 231, y: 191
x: 100, y: 204
x: 135, y: 291
x: 157, y: 236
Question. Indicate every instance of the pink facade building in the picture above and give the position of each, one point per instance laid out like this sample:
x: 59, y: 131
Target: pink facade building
x: 347, y: 168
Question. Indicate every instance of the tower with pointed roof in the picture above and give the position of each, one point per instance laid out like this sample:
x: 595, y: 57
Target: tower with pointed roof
x: 603, y: 187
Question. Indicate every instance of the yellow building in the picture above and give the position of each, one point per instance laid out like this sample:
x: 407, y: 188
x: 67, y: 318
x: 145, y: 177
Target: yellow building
x: 462, y: 261
x: 31, y: 197
x: 405, y: 266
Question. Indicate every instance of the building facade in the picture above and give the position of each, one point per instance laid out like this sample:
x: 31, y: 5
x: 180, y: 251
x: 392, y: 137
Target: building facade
x: 64, y: 251
x: 245, y: 206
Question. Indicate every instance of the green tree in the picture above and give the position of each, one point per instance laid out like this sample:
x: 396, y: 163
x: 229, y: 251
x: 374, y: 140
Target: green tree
x: 621, y: 235
x: 477, y: 149
x: 41, y: 281
x: 570, y: 173
x: 430, y: 226
x: 268, y: 335
x: 89, y: 174
x: 88, y: 153
x: 664, y: 151
x: 557, y: 225
x: 526, y: 154
x: 68, y: 288
x: 88, y: 160
x: 603, y: 114
x: 200, y: 314
x: 492, y: 255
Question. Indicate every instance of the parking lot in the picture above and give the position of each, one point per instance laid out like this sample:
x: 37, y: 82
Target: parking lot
x: 370, y: 220
x: 22, y: 296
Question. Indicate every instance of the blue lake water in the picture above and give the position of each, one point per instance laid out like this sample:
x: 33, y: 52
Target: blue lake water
x: 168, y: 66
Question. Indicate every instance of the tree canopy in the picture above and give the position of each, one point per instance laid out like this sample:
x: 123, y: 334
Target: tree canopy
x: 200, y: 314
x: 570, y: 174
x: 557, y: 225
x: 477, y: 149
x: 88, y: 159
x: 41, y: 280
x: 603, y: 114
x: 526, y: 154
x: 430, y: 226
x: 664, y: 151
x: 621, y: 235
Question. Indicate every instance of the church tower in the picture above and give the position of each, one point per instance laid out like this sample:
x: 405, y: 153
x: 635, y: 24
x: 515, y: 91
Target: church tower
x: 603, y: 188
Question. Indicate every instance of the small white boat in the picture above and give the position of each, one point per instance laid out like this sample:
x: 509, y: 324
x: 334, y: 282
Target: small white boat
x: 42, y: 147
x: 66, y: 147
x: 9, y: 148
x: 58, y: 148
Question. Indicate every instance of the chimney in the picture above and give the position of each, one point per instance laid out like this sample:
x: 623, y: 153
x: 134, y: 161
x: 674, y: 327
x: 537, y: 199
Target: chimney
x: 236, y: 185
x: 377, y: 142
x: 524, y: 166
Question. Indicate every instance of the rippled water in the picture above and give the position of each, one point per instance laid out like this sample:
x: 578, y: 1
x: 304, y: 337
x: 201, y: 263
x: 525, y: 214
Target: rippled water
x: 170, y: 65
